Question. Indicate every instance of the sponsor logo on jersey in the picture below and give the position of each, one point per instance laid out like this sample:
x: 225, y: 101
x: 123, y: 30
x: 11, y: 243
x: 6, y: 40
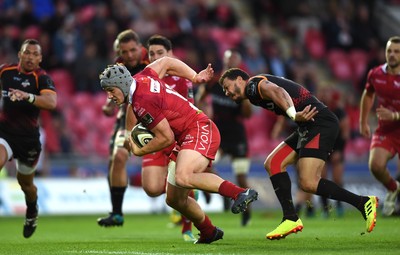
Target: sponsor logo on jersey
x: 380, y: 81
x: 147, y: 119
x: 25, y: 83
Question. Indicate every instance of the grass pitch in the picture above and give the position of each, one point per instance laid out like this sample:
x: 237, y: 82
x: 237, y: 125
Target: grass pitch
x: 149, y: 234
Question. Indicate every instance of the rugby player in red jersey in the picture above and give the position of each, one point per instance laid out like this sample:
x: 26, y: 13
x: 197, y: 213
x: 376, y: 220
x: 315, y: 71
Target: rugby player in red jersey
x: 383, y: 82
x: 155, y: 165
x: 172, y: 118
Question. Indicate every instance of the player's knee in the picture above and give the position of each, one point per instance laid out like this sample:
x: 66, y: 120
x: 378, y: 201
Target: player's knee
x: 153, y: 190
x: 267, y: 164
x: 307, y: 185
x: 182, y: 180
x: 376, y: 167
x: 121, y: 155
x: 27, y: 186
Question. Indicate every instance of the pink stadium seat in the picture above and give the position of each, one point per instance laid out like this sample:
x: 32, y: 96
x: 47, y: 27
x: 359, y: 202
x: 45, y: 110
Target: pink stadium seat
x: 64, y: 83
x: 314, y: 42
x: 63, y: 80
x: 340, y: 65
x: 359, y: 61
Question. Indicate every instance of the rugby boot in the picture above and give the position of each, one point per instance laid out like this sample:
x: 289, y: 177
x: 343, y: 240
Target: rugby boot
x: 111, y: 220
x: 243, y: 199
x: 217, y: 234
x: 286, y: 227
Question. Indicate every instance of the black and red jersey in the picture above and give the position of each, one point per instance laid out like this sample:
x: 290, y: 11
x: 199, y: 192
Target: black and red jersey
x: 300, y: 95
x: 21, y: 117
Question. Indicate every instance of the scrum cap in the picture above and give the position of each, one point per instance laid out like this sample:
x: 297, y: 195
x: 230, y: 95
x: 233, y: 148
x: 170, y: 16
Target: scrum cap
x: 116, y: 76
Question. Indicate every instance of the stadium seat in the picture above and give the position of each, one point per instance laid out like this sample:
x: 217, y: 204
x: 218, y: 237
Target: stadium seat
x: 314, y: 42
x: 359, y: 61
x: 340, y: 65
x: 32, y: 31
x: 64, y: 83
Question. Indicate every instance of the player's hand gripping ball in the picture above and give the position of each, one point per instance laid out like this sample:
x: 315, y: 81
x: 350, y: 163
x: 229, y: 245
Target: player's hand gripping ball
x: 140, y: 135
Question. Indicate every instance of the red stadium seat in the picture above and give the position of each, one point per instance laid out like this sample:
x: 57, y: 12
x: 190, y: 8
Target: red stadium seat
x: 64, y: 83
x: 340, y: 65
x: 314, y: 42
x: 359, y: 61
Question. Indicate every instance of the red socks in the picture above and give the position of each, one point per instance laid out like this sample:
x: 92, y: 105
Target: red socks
x: 206, y: 228
x: 228, y: 189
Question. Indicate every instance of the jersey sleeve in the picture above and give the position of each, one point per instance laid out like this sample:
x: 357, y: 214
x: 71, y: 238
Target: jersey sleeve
x: 46, y: 83
x: 252, y: 90
x: 369, y: 85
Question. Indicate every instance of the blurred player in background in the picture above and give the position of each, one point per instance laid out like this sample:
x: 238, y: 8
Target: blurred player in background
x: 155, y: 165
x: 133, y: 55
x: 229, y: 116
x: 308, y: 147
x: 26, y: 89
x: 383, y: 82
x: 172, y: 118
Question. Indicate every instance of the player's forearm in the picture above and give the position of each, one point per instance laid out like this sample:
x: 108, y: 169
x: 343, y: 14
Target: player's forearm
x: 172, y: 66
x: 130, y: 120
x: 46, y: 101
x: 366, y: 102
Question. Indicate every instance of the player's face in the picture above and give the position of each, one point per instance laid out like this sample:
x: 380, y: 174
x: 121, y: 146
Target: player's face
x: 131, y: 53
x: 30, y: 57
x: 157, y: 51
x: 115, y: 94
x: 393, y: 55
x: 233, y: 89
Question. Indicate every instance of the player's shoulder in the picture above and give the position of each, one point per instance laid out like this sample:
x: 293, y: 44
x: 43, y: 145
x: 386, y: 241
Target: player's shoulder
x: 251, y: 90
x: 378, y: 70
x: 40, y: 72
x: 8, y: 66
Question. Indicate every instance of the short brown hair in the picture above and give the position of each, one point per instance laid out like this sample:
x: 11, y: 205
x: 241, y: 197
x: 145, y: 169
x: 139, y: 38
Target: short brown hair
x: 394, y: 39
x: 126, y: 36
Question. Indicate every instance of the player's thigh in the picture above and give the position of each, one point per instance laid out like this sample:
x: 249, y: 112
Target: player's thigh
x: 378, y: 157
x: 191, y: 161
x: 154, y: 175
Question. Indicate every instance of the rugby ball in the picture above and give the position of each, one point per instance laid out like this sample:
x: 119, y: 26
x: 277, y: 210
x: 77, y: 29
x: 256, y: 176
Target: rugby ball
x: 140, y: 135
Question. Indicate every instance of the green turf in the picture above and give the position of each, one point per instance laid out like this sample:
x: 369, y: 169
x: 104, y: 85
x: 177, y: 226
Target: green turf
x: 149, y: 234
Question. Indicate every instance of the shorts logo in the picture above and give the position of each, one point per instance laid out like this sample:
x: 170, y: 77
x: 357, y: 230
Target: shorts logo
x: 204, y: 137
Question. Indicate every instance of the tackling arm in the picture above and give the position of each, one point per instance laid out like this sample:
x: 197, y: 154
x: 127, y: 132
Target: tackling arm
x: 47, y: 99
x: 281, y: 97
x: 173, y: 66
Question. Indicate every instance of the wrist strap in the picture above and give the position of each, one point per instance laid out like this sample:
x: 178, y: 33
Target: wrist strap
x: 291, y: 112
x: 31, y: 98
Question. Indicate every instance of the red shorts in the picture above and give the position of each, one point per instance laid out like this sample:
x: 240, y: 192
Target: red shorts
x: 159, y: 158
x: 390, y: 142
x: 203, y: 137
